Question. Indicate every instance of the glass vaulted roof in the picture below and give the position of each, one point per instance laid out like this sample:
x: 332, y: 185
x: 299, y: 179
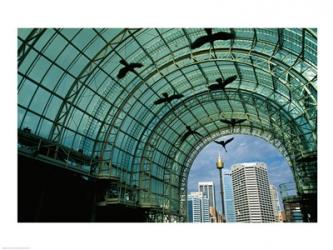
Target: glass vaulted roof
x: 70, y: 95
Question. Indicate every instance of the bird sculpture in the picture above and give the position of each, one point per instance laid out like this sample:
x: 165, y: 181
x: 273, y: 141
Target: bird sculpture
x: 189, y: 132
x: 233, y: 121
x: 224, y: 143
x: 128, y: 67
x: 211, y: 38
x: 220, y: 85
x: 167, y: 98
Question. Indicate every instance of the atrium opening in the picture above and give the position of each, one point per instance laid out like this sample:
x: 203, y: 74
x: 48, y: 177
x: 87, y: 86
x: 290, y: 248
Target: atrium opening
x: 243, y: 149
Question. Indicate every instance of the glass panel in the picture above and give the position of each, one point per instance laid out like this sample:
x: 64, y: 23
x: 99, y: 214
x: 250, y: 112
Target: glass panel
x: 40, y: 69
x: 31, y: 120
x: 57, y: 45
x: 52, y: 77
x: 53, y: 107
x: 45, y: 128
x: 67, y: 56
x: 40, y: 99
x: 26, y: 93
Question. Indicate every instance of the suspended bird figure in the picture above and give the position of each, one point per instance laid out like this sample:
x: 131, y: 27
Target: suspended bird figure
x: 128, y: 67
x: 167, y: 98
x: 233, y: 121
x: 211, y: 38
x: 224, y: 143
x: 189, y: 132
x: 220, y: 85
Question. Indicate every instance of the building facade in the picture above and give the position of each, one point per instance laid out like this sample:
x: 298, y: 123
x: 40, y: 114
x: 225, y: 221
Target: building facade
x: 197, y: 207
x: 208, y: 190
x: 229, y: 205
x: 252, y: 197
x: 275, y: 201
x: 292, y: 208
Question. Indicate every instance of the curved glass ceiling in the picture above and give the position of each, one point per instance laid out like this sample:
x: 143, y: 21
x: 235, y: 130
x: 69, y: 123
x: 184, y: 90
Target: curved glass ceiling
x: 69, y: 93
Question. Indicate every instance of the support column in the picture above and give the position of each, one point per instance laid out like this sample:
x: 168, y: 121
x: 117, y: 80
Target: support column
x: 306, y: 181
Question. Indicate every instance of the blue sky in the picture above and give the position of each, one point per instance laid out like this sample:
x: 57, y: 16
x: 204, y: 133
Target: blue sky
x: 243, y: 148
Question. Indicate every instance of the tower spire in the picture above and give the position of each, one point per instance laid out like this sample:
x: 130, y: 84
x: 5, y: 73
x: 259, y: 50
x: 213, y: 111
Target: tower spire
x: 219, y: 162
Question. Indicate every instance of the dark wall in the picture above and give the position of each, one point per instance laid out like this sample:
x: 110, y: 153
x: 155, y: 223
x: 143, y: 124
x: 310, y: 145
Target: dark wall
x: 48, y: 193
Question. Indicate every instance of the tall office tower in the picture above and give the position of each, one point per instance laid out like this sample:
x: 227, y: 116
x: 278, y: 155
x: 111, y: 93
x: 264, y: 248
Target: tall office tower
x: 252, y: 195
x: 197, y: 207
x: 208, y: 190
x: 229, y: 206
x: 275, y: 201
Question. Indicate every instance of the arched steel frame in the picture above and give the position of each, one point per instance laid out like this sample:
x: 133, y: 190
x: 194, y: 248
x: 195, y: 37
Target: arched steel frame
x: 68, y: 92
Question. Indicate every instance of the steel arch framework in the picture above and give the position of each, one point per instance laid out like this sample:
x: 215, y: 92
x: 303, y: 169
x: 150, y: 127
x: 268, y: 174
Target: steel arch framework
x: 68, y: 93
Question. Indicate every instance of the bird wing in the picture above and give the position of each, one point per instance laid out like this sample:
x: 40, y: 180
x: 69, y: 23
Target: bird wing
x: 199, y: 42
x: 197, y: 133
x: 122, y: 72
x: 209, y: 31
x: 136, y: 65
x: 176, y: 96
x: 229, y: 80
x: 219, y: 81
x: 223, y: 36
x: 240, y: 121
x: 186, y: 135
x: 229, y: 140
x: 159, y: 101
x: 214, y: 87
x: 218, y: 142
x: 226, y: 121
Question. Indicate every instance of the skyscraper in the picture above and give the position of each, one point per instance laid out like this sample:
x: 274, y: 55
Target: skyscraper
x: 275, y: 201
x: 230, y: 215
x: 252, y: 195
x: 197, y: 207
x: 208, y: 190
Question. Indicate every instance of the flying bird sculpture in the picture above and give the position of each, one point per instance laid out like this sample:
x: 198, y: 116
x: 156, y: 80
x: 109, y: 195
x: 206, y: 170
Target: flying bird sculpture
x: 128, y: 67
x: 220, y: 85
x: 167, y: 98
x: 233, y: 122
x: 189, y: 132
x: 211, y: 38
x: 224, y: 143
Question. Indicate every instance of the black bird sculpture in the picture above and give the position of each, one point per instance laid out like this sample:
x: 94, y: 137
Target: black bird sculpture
x: 233, y: 121
x: 128, y: 67
x: 220, y: 85
x: 224, y: 143
x: 189, y: 132
x: 211, y: 38
x: 167, y: 98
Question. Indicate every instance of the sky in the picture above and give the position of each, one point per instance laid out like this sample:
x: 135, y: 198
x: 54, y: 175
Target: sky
x: 243, y: 148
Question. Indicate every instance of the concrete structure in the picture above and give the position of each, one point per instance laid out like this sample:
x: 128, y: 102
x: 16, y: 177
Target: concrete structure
x: 208, y: 190
x: 251, y: 193
x: 275, y: 201
x: 282, y: 216
x: 197, y: 207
